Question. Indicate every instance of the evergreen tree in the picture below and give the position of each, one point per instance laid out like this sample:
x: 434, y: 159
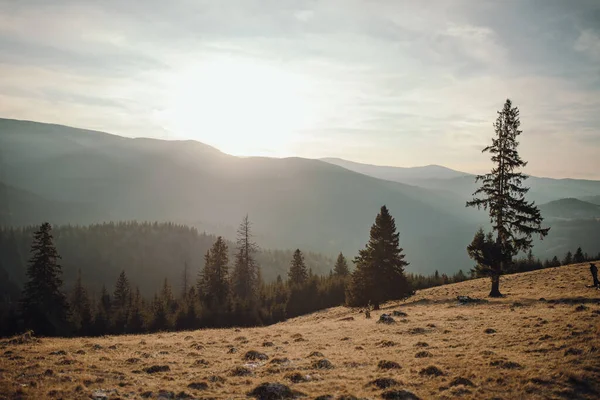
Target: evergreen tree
x: 245, y: 277
x: 185, y: 281
x: 568, y: 258
x: 136, y: 320
x: 216, y: 275
x: 502, y: 194
x: 379, y: 274
x: 578, y: 257
x: 341, y: 266
x: 81, y: 313
x: 555, y: 262
x: 122, y: 292
x: 298, y: 273
x: 44, y: 305
x: 486, y: 253
x: 121, y: 302
x: 105, y: 301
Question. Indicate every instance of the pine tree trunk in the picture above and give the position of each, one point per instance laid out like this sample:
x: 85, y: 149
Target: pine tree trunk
x: 495, y: 292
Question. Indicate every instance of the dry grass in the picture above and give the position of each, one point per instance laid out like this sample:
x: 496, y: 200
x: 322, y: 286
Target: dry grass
x: 539, y: 345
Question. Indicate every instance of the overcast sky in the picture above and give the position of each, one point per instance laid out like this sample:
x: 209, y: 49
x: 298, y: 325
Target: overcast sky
x: 395, y: 82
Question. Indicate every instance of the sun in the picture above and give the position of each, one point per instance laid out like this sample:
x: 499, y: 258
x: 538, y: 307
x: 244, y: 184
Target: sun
x: 242, y: 107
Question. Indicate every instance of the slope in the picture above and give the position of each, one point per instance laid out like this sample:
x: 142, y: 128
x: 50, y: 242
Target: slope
x: 570, y: 208
x: 538, y: 342
x: 398, y: 174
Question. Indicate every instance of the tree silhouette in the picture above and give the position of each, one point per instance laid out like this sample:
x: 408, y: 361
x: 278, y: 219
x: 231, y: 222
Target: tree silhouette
x: 568, y: 258
x: 298, y: 274
x: 216, y: 275
x: 578, y: 257
x: 44, y: 305
x: 245, y: 276
x: 379, y: 274
x: 341, y: 266
x: 81, y: 313
x: 502, y: 194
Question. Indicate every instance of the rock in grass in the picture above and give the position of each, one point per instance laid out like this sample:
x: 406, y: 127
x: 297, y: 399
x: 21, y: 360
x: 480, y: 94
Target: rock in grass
x: 432, y: 370
x: 255, y: 355
x: 385, y: 364
x: 383, y: 383
x: 198, y: 386
x: 156, y: 368
x: 274, y: 391
x: 399, y: 394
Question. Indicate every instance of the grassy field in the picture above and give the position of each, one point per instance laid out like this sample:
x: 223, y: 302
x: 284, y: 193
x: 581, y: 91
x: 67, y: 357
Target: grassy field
x: 541, y: 341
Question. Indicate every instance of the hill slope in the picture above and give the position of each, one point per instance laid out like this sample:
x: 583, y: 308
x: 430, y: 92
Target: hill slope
x: 398, y: 174
x: 538, y: 342
x: 570, y: 209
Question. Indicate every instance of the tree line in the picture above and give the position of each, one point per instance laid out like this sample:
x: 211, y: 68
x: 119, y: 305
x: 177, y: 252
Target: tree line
x: 219, y: 295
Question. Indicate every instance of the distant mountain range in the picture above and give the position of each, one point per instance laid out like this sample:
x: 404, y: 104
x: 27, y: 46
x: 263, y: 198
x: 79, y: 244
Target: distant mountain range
x: 68, y: 175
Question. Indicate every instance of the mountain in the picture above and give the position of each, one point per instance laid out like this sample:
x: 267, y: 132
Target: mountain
x: 542, y: 190
x: 398, y: 174
x: 570, y: 208
x: 292, y: 202
x: 592, y: 199
x: 75, y: 176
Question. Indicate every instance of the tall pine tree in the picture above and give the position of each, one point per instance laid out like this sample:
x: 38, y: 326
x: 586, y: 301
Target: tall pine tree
x: 502, y: 194
x: 341, y: 266
x: 44, y: 305
x: 245, y: 276
x: 379, y: 274
x: 298, y: 274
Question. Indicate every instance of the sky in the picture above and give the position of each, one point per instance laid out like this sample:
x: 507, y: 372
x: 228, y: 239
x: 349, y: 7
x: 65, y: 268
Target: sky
x: 401, y: 83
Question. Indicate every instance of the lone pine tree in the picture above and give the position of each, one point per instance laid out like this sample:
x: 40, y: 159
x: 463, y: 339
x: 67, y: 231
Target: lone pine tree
x: 379, y: 274
x: 44, y: 305
x: 502, y: 194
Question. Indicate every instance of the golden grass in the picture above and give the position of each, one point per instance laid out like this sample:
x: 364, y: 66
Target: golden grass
x: 536, y: 349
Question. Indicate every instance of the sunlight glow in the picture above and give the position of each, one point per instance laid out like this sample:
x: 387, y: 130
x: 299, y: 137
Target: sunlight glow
x: 240, y: 106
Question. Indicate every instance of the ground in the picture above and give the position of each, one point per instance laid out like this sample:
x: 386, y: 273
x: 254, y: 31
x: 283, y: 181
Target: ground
x: 540, y: 341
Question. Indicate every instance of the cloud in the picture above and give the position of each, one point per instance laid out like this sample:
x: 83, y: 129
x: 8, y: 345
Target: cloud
x: 396, y: 82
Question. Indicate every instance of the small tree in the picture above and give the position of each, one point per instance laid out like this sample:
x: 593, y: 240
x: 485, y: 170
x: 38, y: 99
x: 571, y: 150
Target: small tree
x: 44, y: 305
x: 341, y: 266
x: 121, y: 303
x: 502, y: 194
x: 298, y: 274
x: 578, y: 257
x: 379, y: 274
x: 81, y: 313
x: 568, y: 258
x: 485, y: 251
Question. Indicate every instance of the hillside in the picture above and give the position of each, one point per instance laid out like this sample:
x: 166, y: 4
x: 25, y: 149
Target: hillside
x: 538, y: 342
x: 570, y: 209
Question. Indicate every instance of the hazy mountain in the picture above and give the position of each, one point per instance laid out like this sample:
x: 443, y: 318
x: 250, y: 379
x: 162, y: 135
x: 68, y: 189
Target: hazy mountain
x: 70, y: 175
x: 398, y: 174
x: 591, y: 199
x: 292, y: 202
x: 463, y: 185
x: 570, y: 209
